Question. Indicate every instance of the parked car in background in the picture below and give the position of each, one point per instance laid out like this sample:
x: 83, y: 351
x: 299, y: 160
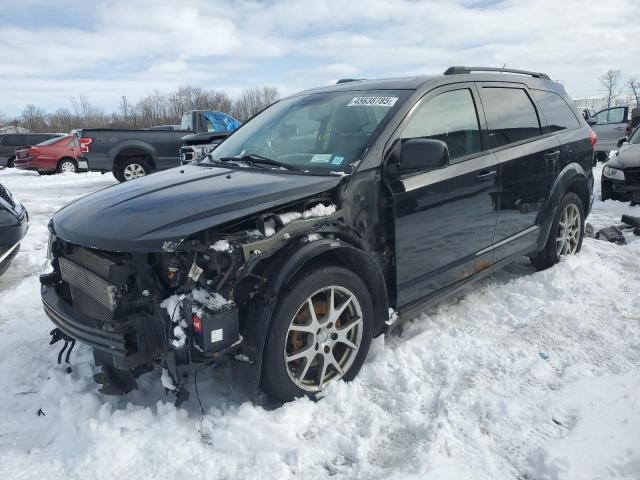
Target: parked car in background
x: 14, y: 221
x: 58, y: 154
x: 609, y: 124
x: 10, y: 141
x: 285, y: 249
x: 621, y: 174
x: 131, y: 154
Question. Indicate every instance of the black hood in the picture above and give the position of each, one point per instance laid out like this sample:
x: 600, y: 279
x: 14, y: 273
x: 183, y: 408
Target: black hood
x: 143, y: 214
x: 628, y: 156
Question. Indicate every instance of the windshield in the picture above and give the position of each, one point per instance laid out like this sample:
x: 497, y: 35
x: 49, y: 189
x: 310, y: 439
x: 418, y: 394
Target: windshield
x: 316, y: 133
x: 635, y: 136
x: 220, y: 122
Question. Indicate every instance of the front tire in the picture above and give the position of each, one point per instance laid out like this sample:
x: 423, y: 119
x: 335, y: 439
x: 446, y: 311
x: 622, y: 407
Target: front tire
x: 10, y: 163
x: 320, y: 333
x: 566, y: 234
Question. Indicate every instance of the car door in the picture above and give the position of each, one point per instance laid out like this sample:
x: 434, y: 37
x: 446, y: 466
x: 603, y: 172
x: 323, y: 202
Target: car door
x: 612, y: 125
x: 445, y: 219
x: 528, y: 162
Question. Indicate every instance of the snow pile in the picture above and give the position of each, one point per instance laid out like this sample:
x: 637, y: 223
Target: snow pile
x: 462, y: 392
x: 319, y: 210
x: 221, y: 246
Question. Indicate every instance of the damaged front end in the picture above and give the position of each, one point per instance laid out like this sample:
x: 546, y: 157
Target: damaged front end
x: 177, y: 308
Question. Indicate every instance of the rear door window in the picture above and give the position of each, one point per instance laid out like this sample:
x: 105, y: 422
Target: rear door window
x: 558, y: 113
x: 450, y: 117
x: 511, y: 116
x: 14, y: 140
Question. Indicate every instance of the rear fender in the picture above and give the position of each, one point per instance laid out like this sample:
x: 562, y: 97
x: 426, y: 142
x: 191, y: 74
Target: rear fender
x: 132, y: 147
x: 572, y: 178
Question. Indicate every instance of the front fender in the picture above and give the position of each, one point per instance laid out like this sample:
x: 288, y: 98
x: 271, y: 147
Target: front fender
x: 285, y: 265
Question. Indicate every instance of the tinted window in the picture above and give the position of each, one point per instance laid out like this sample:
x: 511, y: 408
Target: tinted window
x: 51, y: 141
x: 611, y: 115
x: 511, y: 116
x: 14, y: 140
x: 450, y: 117
x: 557, y: 112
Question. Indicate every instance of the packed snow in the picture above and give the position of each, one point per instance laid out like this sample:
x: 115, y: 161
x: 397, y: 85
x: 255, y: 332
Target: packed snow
x: 526, y: 375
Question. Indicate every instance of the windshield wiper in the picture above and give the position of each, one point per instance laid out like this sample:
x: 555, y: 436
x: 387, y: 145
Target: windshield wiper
x: 253, y: 159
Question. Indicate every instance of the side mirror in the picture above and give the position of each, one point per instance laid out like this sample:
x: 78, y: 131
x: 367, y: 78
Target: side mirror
x: 592, y: 121
x: 622, y: 140
x: 422, y: 155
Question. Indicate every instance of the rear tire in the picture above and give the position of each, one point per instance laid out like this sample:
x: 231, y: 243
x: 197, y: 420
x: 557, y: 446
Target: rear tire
x: 318, y: 338
x: 67, y: 165
x: 602, y: 156
x: 131, y: 168
x: 566, y: 234
x: 10, y: 163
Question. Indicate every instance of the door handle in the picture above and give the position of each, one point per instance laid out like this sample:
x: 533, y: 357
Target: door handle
x: 552, y: 155
x: 620, y: 128
x: 484, y: 175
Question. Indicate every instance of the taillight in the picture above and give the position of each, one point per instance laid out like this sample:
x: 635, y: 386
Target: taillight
x: 594, y: 138
x: 85, y: 144
x: 34, y: 151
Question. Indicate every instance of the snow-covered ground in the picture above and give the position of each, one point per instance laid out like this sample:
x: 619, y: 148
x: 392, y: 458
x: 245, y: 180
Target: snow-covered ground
x: 526, y: 376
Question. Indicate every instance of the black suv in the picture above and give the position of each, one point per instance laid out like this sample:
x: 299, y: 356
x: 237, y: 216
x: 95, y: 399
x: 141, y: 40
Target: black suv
x: 285, y: 249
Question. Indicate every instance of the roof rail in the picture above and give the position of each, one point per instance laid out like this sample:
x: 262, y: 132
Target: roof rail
x: 462, y: 70
x: 347, y: 80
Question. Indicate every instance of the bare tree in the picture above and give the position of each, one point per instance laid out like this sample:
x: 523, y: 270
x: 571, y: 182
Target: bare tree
x: 33, y: 118
x: 610, y: 80
x: 634, y: 86
x: 253, y: 100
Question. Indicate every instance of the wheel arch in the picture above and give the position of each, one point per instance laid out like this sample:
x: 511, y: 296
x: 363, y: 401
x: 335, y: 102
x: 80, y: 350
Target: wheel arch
x: 335, y: 252
x: 68, y: 158
x: 282, y: 268
x: 572, y: 178
x: 134, y: 149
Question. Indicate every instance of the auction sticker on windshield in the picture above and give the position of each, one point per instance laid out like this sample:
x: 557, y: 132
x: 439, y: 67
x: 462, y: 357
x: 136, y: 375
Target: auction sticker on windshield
x: 373, y: 101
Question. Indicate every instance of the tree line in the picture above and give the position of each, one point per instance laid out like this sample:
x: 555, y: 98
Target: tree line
x: 156, y: 108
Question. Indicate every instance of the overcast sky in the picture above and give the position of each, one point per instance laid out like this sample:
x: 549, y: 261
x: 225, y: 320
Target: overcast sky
x: 53, y: 50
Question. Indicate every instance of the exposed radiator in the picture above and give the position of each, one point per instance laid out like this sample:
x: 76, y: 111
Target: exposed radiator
x: 90, y: 283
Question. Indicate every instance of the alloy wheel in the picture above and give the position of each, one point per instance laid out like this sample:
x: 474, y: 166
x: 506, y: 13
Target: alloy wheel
x: 67, y: 167
x: 569, y: 231
x: 133, y: 171
x: 323, y: 338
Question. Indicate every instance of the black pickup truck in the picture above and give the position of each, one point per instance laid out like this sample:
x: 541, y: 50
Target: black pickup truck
x: 130, y: 154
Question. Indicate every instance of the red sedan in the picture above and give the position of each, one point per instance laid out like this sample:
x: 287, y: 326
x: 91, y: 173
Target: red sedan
x: 59, y: 154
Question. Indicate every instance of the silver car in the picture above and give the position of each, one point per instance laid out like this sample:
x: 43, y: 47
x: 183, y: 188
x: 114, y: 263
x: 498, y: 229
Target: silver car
x: 610, y: 125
